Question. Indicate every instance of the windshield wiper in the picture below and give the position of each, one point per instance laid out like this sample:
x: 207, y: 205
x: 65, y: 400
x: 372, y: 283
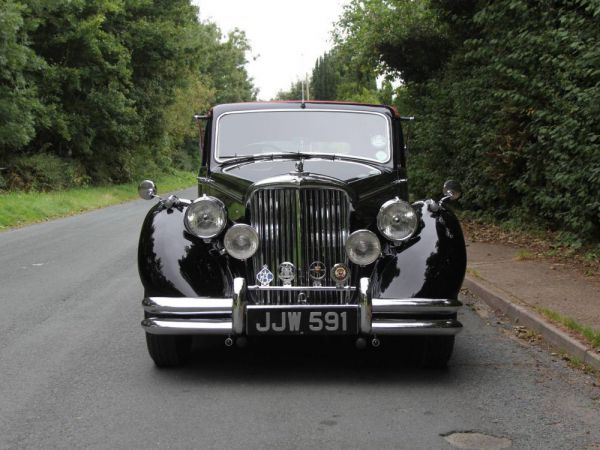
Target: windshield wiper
x: 263, y: 156
x: 236, y: 159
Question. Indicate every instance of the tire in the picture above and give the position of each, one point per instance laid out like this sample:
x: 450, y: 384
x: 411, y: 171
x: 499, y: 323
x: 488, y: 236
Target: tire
x: 437, y: 351
x: 169, y: 351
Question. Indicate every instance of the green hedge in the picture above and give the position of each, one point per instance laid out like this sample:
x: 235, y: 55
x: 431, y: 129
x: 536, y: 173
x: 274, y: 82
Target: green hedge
x: 507, y: 99
x: 515, y: 116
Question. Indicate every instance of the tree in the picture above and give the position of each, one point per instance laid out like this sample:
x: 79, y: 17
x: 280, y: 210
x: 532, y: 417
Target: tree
x: 228, y: 70
x: 403, y: 38
x: 19, y: 104
x: 293, y: 93
x: 96, y: 90
x: 326, y: 76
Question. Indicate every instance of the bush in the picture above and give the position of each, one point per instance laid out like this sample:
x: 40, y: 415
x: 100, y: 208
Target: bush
x: 44, y: 172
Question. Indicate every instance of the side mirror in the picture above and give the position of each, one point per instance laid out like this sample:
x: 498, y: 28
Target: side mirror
x: 452, y: 190
x: 147, y: 190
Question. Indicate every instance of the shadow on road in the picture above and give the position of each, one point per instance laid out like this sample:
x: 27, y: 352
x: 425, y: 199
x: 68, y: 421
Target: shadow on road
x: 308, y: 360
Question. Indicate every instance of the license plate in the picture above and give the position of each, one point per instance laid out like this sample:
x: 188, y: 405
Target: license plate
x: 302, y: 320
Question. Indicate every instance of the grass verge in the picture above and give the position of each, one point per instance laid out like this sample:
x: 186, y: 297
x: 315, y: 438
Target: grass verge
x: 589, y: 334
x: 23, y: 208
x: 576, y: 363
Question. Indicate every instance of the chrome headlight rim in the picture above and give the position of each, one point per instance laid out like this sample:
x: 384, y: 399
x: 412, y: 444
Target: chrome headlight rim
x: 381, y: 215
x: 374, y: 240
x: 236, y: 228
x: 194, y: 205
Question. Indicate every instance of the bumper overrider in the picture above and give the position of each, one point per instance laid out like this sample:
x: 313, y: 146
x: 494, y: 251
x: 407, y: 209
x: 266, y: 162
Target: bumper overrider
x: 228, y: 316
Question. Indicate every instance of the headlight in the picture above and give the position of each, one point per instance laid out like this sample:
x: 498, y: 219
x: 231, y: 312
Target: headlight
x: 241, y: 241
x: 206, y: 217
x: 363, y: 247
x: 397, y: 220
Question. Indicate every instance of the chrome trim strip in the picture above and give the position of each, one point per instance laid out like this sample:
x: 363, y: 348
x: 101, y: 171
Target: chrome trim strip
x: 238, y: 305
x: 154, y: 325
x: 187, y: 305
x: 409, y: 327
x: 304, y: 181
x: 365, y: 306
x: 297, y: 236
x: 415, y: 305
x: 238, y: 197
x: 383, y: 188
x: 303, y: 288
x: 295, y: 307
x: 346, y: 111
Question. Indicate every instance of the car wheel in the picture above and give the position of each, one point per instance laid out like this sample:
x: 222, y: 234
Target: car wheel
x: 169, y: 351
x: 437, y: 351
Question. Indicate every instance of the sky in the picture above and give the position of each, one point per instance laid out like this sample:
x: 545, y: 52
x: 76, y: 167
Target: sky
x: 286, y: 36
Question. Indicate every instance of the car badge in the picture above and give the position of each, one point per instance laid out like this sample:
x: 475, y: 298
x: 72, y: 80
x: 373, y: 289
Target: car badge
x: 300, y: 166
x: 287, y: 273
x: 316, y: 272
x: 340, y: 274
x: 264, y: 276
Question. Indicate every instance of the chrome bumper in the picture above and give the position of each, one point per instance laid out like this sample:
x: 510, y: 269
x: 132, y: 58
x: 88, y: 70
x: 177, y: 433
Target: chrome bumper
x: 226, y: 316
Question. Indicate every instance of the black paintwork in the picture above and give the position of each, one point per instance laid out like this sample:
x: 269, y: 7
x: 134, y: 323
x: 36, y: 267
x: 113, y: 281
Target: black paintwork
x: 172, y: 263
x: 430, y: 264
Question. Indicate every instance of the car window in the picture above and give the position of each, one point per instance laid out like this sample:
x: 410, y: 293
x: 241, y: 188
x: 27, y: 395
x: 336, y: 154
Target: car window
x: 355, y: 134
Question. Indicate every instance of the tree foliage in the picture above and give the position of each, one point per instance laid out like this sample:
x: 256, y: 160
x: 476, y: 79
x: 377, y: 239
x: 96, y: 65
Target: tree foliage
x: 108, y: 87
x: 293, y: 93
x: 326, y: 77
x: 335, y: 77
x: 507, y: 97
x: 19, y: 104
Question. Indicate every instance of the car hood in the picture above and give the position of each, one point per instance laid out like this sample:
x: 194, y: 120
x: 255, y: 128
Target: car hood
x: 358, y: 178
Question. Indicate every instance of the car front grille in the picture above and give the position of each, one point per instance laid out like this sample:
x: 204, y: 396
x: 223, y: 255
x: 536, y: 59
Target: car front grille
x: 301, y: 226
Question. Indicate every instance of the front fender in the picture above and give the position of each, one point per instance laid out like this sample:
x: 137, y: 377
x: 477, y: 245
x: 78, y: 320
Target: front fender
x: 431, y: 264
x: 172, y: 263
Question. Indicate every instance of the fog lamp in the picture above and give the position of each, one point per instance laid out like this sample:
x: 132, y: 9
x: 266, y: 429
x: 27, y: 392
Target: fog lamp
x: 241, y: 241
x: 363, y: 247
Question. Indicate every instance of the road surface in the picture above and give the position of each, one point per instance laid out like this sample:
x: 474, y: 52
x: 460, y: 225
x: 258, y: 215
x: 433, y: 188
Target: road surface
x: 74, y: 371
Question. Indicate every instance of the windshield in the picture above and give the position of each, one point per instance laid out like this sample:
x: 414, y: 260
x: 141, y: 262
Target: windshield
x: 341, y: 133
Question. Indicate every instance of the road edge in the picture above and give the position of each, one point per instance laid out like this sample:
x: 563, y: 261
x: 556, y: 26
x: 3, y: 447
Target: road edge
x: 556, y: 337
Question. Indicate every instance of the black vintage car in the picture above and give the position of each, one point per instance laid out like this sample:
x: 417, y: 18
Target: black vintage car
x: 302, y: 226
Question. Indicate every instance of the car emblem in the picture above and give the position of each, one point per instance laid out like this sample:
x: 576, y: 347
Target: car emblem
x: 340, y: 273
x: 316, y: 272
x: 300, y: 166
x: 287, y: 273
x: 264, y: 276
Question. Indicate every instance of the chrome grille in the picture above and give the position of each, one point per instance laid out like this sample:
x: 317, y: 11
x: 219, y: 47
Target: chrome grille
x: 300, y: 226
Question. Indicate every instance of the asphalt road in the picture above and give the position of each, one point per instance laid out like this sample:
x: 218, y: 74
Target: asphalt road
x: 74, y: 371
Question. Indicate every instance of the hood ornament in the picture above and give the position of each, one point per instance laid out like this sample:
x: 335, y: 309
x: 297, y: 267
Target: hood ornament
x: 299, y: 173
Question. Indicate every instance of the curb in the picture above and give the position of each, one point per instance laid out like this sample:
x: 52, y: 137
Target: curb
x: 522, y: 315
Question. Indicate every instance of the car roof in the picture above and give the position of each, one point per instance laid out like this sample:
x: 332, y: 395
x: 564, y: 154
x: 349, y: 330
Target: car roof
x: 307, y: 105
